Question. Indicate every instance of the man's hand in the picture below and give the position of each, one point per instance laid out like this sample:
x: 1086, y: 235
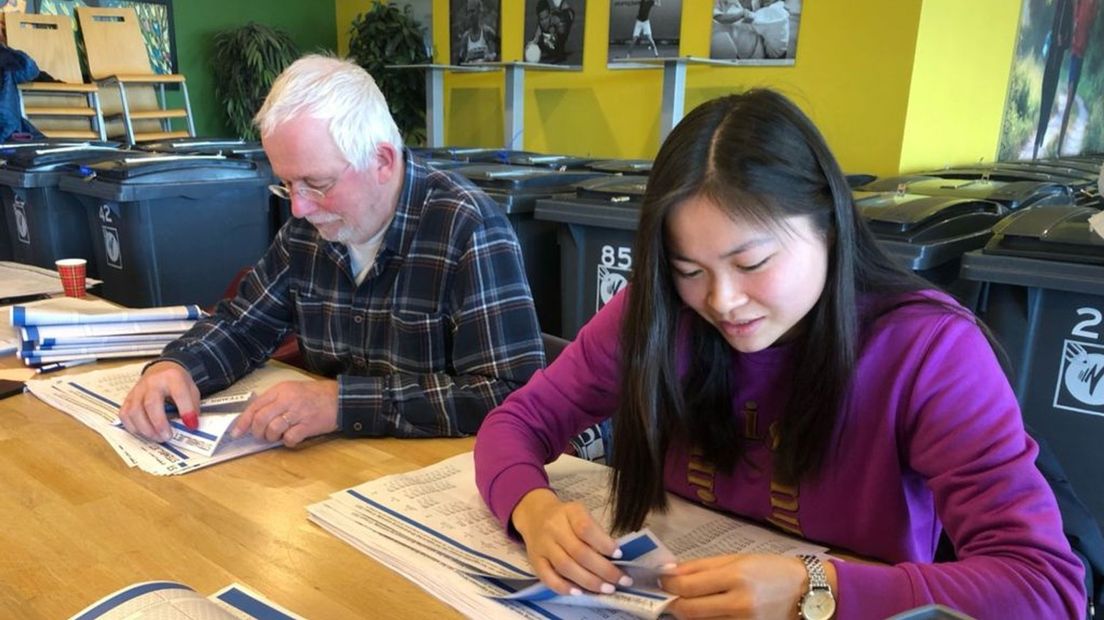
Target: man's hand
x: 290, y: 411
x: 143, y: 410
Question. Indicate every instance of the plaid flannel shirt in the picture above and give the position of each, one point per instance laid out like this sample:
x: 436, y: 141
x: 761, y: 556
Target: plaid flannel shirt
x: 439, y: 332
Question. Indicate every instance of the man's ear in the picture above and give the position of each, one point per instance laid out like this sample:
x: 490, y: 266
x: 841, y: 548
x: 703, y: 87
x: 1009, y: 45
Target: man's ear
x: 390, y: 161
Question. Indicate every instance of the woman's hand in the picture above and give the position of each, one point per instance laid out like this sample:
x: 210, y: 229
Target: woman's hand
x: 741, y: 586
x: 566, y: 546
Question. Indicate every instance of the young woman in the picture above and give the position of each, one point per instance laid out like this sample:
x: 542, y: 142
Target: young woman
x: 770, y: 361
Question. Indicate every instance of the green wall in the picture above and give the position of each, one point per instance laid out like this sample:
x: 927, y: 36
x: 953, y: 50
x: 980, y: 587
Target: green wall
x: 311, y: 24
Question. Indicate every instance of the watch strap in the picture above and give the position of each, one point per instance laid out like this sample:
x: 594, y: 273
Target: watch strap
x: 818, y: 579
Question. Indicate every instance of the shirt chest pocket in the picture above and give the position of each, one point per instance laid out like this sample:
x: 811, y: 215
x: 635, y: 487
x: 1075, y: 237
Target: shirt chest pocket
x: 420, y: 341
x: 326, y: 327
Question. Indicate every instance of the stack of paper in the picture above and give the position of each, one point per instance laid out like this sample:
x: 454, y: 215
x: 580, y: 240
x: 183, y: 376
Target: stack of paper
x: 94, y: 397
x: 432, y: 527
x: 72, y: 329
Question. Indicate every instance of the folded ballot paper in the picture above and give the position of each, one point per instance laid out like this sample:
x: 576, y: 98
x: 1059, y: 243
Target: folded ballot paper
x: 431, y: 526
x: 93, y: 398
x: 169, y: 600
x: 64, y: 329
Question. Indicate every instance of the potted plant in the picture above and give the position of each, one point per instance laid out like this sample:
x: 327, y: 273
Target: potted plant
x: 387, y: 35
x: 246, y: 62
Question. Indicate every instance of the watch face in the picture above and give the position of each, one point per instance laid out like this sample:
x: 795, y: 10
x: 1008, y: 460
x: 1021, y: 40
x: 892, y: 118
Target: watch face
x: 818, y: 605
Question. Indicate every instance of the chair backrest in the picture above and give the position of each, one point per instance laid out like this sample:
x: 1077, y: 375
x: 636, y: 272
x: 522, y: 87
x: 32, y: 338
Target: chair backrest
x: 113, y: 43
x: 49, y: 40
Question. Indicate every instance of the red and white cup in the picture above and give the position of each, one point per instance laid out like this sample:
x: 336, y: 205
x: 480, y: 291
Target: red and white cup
x: 72, y: 272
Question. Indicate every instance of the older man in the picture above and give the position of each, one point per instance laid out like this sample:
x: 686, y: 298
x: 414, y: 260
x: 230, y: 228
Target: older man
x: 405, y: 286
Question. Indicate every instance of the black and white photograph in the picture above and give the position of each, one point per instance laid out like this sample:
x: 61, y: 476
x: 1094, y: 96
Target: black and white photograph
x: 475, y: 31
x: 760, y: 32
x: 644, y: 29
x: 554, y: 31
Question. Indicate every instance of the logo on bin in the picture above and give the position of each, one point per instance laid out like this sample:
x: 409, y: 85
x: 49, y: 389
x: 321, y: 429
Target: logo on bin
x: 613, y: 273
x: 1081, y: 378
x: 22, y: 228
x: 610, y: 281
x: 112, y: 249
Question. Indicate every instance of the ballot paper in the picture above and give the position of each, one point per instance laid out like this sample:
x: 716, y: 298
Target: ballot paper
x: 93, y: 398
x: 11, y: 336
x: 170, y: 600
x: 432, y: 527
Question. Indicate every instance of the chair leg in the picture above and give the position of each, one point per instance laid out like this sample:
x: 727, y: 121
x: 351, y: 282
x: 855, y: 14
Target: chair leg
x: 98, y: 124
x: 127, y: 125
x: 166, y: 124
x: 187, y: 109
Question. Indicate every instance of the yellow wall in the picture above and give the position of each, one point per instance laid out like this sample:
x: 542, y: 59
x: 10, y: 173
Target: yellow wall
x: 959, y: 82
x: 882, y: 79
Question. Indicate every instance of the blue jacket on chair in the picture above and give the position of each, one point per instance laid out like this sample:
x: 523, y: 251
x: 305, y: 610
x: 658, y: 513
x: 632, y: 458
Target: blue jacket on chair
x: 15, y: 67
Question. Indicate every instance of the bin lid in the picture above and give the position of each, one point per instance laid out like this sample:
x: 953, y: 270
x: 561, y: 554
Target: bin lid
x: 231, y: 147
x: 459, y: 153
x: 1012, y: 194
x: 588, y: 213
x: 622, y: 166
x: 1014, y: 172
x: 918, y: 218
x: 523, y: 179
x: 44, y: 156
x: 1049, y: 232
x: 555, y: 162
x: 859, y: 179
x: 46, y: 142
x: 1061, y: 164
x: 924, y: 232
x: 1047, y: 247
x: 615, y: 189
x: 444, y: 164
x: 162, y: 168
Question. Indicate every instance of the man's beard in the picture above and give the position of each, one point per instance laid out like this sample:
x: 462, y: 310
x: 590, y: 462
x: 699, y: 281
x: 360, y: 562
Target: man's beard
x: 341, y: 235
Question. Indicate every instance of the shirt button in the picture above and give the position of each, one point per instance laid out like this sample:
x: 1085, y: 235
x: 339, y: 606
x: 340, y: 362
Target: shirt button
x: 357, y: 426
x: 358, y: 319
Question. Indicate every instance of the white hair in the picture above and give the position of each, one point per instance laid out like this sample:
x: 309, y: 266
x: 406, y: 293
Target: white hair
x: 340, y: 92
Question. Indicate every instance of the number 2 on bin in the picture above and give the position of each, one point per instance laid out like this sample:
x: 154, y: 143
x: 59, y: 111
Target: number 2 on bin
x: 1082, y: 330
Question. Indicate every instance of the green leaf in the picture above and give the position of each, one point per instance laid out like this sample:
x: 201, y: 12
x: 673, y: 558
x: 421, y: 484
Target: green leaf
x: 247, y: 61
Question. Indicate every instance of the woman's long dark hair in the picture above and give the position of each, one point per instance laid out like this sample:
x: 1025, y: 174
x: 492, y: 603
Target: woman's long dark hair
x: 759, y: 157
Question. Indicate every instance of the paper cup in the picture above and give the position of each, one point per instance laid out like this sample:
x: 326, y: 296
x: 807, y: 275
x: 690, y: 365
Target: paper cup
x: 72, y: 272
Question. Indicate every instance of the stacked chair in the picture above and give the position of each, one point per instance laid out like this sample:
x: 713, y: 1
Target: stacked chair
x: 119, y: 63
x: 68, y: 108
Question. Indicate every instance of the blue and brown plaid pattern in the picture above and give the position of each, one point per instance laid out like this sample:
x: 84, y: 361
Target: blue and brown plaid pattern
x: 438, y: 333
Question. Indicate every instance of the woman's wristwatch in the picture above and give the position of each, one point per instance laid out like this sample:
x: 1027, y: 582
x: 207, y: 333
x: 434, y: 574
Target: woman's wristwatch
x: 818, y: 603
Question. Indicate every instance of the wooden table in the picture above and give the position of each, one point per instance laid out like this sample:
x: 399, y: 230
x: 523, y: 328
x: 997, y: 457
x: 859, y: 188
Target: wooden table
x: 76, y: 523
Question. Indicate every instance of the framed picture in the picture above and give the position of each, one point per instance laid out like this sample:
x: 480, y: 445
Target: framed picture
x: 155, y: 17
x: 1055, y: 102
x: 644, y: 29
x: 755, y: 32
x: 554, y: 31
x: 475, y: 31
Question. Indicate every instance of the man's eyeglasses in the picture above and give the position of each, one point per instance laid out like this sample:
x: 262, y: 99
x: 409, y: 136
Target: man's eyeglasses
x: 306, y: 191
